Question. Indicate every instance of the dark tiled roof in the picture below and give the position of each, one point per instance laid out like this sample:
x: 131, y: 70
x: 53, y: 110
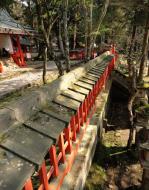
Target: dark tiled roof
x: 10, y: 25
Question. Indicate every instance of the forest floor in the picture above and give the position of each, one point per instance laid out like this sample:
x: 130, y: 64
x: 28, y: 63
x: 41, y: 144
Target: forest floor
x: 113, y: 166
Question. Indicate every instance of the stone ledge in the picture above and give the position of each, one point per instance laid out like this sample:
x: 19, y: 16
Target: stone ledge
x: 24, y: 107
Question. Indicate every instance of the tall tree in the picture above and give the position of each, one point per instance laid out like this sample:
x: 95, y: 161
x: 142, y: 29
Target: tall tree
x: 47, y: 14
x: 100, y: 20
x: 144, y: 49
x: 66, y: 38
x: 5, y: 3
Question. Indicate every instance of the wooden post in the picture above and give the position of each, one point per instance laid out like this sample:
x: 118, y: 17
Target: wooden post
x: 77, y: 120
x: 53, y: 159
x: 43, y: 176
x: 28, y: 185
x: 73, y: 127
x: 67, y: 132
x: 61, y: 146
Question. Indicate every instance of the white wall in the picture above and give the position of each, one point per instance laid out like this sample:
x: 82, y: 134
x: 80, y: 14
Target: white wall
x: 5, y: 42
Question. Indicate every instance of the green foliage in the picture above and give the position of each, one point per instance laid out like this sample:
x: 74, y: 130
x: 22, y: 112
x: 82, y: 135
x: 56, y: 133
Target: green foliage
x: 143, y: 110
x: 5, y: 3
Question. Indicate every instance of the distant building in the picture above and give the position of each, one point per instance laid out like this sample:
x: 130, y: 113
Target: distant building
x: 14, y: 38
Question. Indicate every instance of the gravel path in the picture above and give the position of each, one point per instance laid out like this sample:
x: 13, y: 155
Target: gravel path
x: 9, y: 86
x: 27, y: 79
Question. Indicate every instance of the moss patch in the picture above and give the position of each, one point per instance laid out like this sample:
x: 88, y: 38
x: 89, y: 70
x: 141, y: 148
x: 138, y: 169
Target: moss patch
x: 111, y: 162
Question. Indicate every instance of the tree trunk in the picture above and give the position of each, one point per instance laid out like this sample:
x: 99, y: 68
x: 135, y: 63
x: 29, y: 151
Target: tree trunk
x: 144, y: 50
x: 90, y: 28
x: 75, y: 36
x: 56, y: 60
x: 61, y: 44
x: 45, y: 66
x: 130, y: 107
x: 131, y: 119
x: 66, y: 39
x: 86, y: 27
x: 103, y: 13
x: 148, y: 71
x: 30, y: 12
x: 129, y: 60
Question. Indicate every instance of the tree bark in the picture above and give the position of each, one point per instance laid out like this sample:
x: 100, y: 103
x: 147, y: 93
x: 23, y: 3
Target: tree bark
x: 30, y: 12
x: 130, y: 107
x: 45, y: 66
x: 86, y: 27
x: 46, y: 27
x: 129, y: 60
x: 61, y: 44
x: 56, y: 60
x: 66, y: 38
x: 144, y: 50
x: 103, y: 13
x: 90, y: 28
x: 148, y: 71
x: 75, y: 36
x: 131, y: 118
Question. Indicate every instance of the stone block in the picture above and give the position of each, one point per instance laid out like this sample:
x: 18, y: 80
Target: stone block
x: 7, y: 119
x: 26, y: 106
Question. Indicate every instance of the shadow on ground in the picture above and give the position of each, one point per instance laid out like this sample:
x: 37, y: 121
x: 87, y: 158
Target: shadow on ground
x: 114, y: 168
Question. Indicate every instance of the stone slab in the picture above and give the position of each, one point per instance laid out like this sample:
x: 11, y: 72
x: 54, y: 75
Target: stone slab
x: 94, y: 79
x: 100, y: 65
x: 79, y: 89
x: 7, y: 119
x: 67, y: 102
x: 59, y: 109
x: 14, y: 171
x: 87, y: 81
x: 96, y: 73
x: 92, y: 75
x: 27, y: 144
x: 58, y: 116
x: 84, y: 85
x: 26, y: 106
x: 46, y: 125
x: 100, y: 70
x: 74, y: 95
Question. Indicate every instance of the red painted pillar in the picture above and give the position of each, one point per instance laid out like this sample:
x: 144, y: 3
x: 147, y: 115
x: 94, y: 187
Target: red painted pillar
x: 84, y: 110
x: 43, y: 176
x: 62, y: 148
x: 20, y: 53
x: 67, y: 132
x: 28, y: 185
x: 1, y: 67
x: 53, y: 159
x: 77, y: 120
x: 73, y: 127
